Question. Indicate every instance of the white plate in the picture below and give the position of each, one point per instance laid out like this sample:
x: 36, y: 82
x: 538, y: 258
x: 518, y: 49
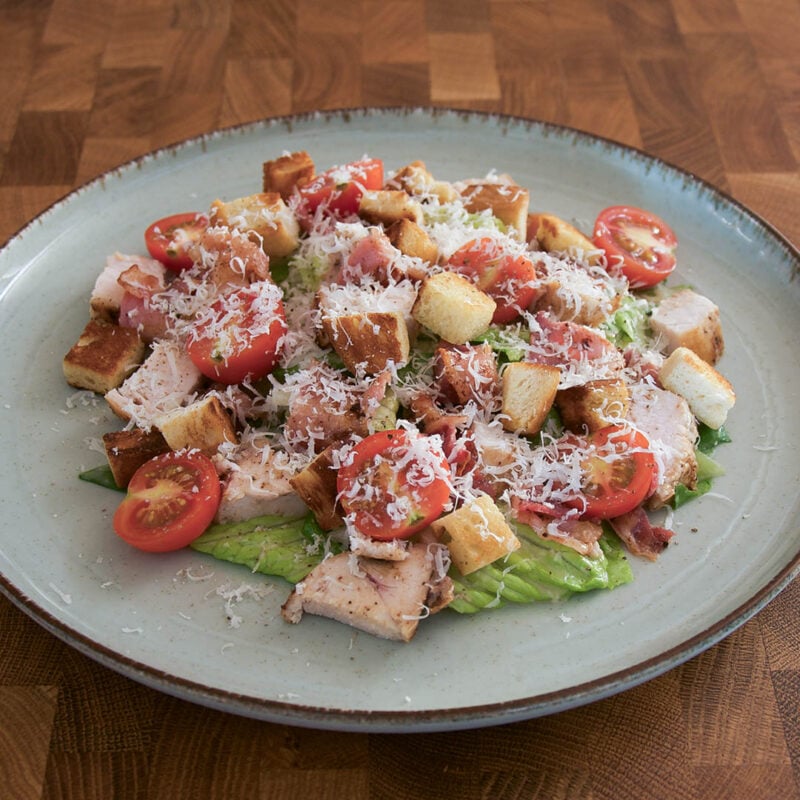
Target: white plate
x: 143, y: 616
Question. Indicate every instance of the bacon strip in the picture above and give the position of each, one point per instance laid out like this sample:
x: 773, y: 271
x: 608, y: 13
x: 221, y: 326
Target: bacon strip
x: 639, y: 535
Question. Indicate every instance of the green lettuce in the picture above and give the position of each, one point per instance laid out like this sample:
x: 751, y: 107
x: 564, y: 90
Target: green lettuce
x: 541, y: 569
x: 287, y: 547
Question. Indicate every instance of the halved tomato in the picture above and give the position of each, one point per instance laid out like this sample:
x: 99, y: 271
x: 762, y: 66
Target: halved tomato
x: 642, y: 244
x: 619, y: 473
x: 392, y: 485
x: 340, y: 188
x: 168, y: 239
x: 241, y: 335
x: 508, y: 278
x: 171, y: 500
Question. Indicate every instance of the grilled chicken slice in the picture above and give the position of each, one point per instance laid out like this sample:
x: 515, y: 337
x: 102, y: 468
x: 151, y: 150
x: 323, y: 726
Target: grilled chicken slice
x: 668, y: 423
x: 384, y: 598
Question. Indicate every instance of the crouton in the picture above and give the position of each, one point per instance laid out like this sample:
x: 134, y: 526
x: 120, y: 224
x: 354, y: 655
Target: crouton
x: 555, y: 235
x: 507, y: 201
x: 709, y: 395
x: 126, y: 451
x: 687, y: 319
x: 476, y: 534
x: 103, y: 357
x: 283, y: 174
x: 593, y: 405
x: 368, y: 342
x: 387, y: 206
x: 203, y: 425
x: 453, y: 308
x: 414, y: 179
x: 266, y: 217
x: 573, y: 294
x: 413, y: 240
x: 528, y: 393
x: 316, y: 487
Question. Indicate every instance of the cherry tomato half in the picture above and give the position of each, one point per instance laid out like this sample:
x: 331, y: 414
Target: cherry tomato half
x: 507, y: 278
x: 240, y: 335
x: 340, y: 188
x: 391, y: 487
x: 171, y: 500
x: 641, y: 243
x: 619, y: 473
x: 169, y: 238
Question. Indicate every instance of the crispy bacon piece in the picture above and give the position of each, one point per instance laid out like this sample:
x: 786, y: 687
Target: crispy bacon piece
x: 558, y: 343
x: 466, y: 372
x: 579, y: 534
x: 640, y: 536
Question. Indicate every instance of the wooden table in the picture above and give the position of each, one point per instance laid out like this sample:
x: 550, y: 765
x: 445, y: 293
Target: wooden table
x: 709, y: 85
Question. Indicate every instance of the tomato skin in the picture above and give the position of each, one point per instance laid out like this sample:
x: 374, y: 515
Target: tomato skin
x: 507, y: 278
x: 620, y: 473
x: 340, y: 188
x: 171, y: 500
x: 160, y: 238
x: 237, y: 341
x: 382, y: 461
x: 639, y: 241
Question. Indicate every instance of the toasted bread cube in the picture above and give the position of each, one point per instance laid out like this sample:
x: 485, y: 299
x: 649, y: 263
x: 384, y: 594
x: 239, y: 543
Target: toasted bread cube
x: 126, y: 451
x: 476, y: 534
x: 453, y: 308
x: 413, y: 240
x: 687, y: 319
x: 283, y: 174
x: 385, y: 206
x: 555, y: 235
x: 528, y: 393
x: 368, y: 342
x: 103, y: 357
x: 709, y: 395
x: 415, y: 179
x: 266, y: 215
x: 507, y: 201
x: 203, y: 425
x: 316, y: 486
x: 593, y: 405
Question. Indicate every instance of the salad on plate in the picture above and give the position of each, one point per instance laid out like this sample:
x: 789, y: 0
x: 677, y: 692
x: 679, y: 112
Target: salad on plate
x: 401, y: 394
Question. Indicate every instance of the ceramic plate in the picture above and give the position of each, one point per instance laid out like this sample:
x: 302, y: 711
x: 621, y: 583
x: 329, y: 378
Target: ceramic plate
x: 211, y: 632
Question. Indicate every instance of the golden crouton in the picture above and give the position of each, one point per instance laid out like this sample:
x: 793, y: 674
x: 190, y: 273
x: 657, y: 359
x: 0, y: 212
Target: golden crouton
x: 386, y: 206
x: 476, y: 534
x: 368, y: 342
x: 203, y: 425
x: 413, y: 240
x: 414, y: 179
x: 528, y: 393
x: 687, y: 319
x: 453, y: 307
x: 555, y: 235
x: 283, y: 174
x: 593, y: 405
x: 710, y: 395
x: 104, y: 355
x: 316, y: 486
x: 126, y: 451
x: 507, y: 201
x: 266, y: 216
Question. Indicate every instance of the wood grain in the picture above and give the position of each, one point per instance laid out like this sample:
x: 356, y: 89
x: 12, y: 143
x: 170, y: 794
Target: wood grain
x: 711, y: 86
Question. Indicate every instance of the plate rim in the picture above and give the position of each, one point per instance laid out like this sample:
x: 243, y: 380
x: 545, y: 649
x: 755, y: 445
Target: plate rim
x: 460, y: 717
